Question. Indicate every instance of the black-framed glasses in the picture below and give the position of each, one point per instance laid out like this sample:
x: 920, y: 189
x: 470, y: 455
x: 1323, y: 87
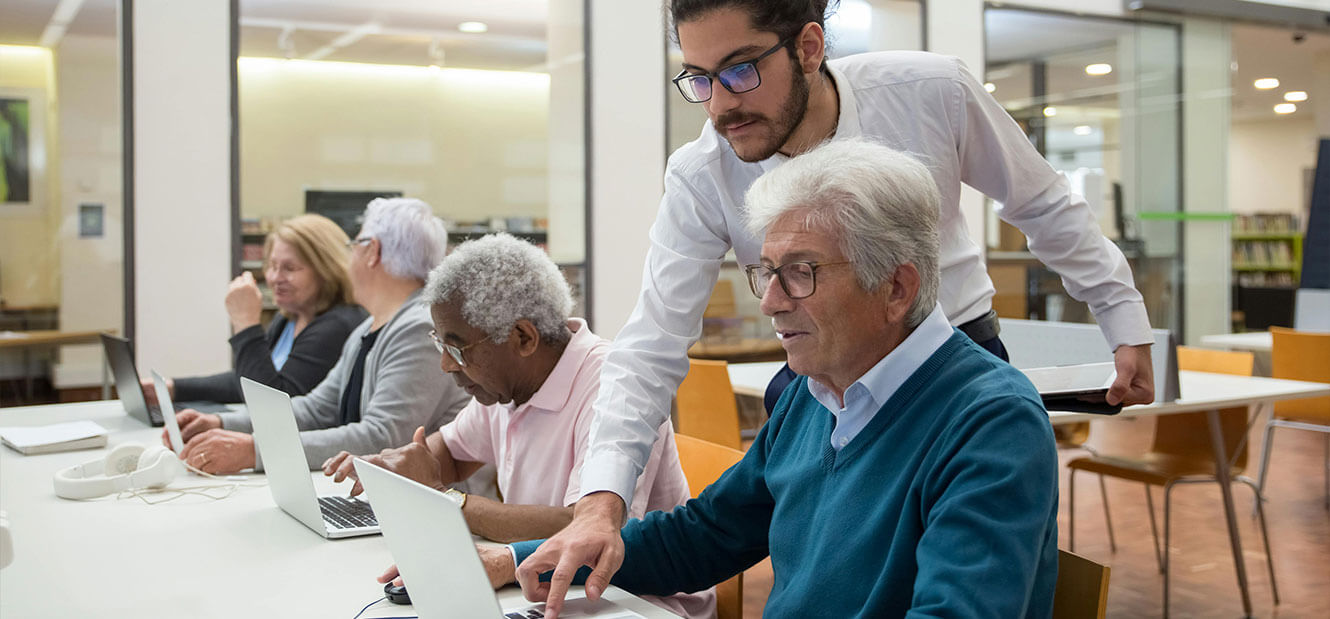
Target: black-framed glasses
x: 364, y: 240
x: 457, y: 353
x: 736, y: 78
x: 797, y: 279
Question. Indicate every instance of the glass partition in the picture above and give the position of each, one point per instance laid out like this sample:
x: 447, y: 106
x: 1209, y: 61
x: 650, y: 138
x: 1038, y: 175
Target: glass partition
x: 475, y: 108
x: 61, y: 232
x: 1099, y: 98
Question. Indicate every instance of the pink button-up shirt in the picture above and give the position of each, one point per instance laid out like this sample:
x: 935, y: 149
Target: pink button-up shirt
x: 538, y: 447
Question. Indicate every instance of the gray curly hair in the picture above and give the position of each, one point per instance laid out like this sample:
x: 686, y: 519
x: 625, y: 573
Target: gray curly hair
x: 500, y: 280
x: 882, y: 203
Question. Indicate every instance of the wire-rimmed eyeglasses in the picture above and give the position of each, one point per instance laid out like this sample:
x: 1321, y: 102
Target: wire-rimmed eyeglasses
x: 457, y: 353
x: 736, y: 78
x: 797, y: 279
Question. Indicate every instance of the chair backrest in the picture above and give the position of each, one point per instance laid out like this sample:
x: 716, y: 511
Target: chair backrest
x: 1082, y: 588
x: 1188, y: 434
x: 1300, y: 355
x: 706, y: 405
x: 703, y: 462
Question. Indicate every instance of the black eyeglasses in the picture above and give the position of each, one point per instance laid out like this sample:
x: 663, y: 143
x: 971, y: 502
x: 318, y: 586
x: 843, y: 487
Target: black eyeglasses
x: 797, y: 279
x: 736, y: 78
x: 453, y: 351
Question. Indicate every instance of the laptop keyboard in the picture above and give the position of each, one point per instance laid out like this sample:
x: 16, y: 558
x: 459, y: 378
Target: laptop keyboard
x: 530, y: 613
x: 344, y: 513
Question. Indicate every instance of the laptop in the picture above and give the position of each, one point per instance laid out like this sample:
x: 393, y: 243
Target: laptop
x: 278, y: 442
x: 164, y: 399
x: 120, y: 355
x: 436, y: 554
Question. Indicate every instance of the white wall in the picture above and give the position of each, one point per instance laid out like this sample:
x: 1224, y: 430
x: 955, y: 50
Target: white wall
x: 182, y: 190
x: 1266, y: 163
x: 627, y: 150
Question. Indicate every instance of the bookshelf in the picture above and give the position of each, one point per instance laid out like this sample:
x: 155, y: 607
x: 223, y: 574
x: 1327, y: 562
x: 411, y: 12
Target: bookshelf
x: 1267, y: 250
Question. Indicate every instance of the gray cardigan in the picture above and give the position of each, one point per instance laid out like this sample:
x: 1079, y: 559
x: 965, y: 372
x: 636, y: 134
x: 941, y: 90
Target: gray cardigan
x: 404, y: 388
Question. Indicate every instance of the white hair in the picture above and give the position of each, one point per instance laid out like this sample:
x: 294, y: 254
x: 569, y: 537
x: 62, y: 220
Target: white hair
x: 411, y: 239
x: 882, y: 204
x: 500, y: 280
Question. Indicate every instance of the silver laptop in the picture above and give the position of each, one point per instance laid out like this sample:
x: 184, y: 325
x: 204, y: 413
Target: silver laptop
x: 278, y: 442
x: 168, y: 412
x: 436, y: 555
x: 120, y: 355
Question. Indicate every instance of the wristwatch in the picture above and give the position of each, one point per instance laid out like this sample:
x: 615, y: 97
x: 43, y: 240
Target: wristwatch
x: 457, y: 496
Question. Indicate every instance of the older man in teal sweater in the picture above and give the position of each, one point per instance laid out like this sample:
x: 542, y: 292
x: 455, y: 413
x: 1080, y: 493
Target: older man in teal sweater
x: 907, y: 472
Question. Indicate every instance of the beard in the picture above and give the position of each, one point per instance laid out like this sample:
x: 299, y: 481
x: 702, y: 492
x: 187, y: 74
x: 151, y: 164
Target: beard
x: 788, y: 119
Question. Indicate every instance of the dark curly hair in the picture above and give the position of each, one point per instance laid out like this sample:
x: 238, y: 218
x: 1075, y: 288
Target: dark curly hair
x: 785, y: 18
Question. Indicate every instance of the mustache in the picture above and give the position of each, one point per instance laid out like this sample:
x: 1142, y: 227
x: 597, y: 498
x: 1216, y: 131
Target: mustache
x: 736, y: 117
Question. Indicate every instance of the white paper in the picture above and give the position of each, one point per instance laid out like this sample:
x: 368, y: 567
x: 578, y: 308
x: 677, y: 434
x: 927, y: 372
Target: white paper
x: 32, y: 436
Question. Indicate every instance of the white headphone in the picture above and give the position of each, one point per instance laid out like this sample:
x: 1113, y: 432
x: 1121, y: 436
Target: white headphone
x: 129, y: 466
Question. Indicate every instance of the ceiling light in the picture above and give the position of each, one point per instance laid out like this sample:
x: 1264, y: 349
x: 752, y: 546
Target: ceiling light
x: 1099, y: 68
x: 473, y: 27
x: 1081, y: 130
x: 1295, y: 95
x: 1266, y: 83
x: 990, y: 86
x: 1050, y: 111
x: 1285, y: 108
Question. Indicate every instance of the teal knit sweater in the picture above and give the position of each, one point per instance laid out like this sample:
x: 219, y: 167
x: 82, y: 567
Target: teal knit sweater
x: 945, y: 505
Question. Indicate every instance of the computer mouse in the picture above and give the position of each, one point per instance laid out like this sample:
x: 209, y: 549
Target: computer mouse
x: 396, y: 594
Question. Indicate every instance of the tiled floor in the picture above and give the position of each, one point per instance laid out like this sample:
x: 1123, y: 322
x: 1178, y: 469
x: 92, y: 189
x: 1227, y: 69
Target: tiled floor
x: 1203, y: 580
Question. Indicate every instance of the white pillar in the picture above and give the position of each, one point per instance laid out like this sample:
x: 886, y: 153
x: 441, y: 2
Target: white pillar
x: 627, y: 53
x: 1206, y: 250
x: 567, y: 160
x: 182, y: 187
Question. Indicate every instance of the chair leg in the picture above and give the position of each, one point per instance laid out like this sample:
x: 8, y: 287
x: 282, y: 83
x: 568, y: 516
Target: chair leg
x: 1267, y: 438
x: 1168, y: 490
x: 1154, y: 531
x: 1071, y: 509
x: 1108, y: 520
x: 1265, y: 536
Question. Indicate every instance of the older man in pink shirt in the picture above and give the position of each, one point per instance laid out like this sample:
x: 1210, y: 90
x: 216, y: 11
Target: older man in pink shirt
x: 501, y: 316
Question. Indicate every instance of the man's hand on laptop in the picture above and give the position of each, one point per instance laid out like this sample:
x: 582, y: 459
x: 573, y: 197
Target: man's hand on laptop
x: 591, y: 539
x: 219, y: 452
x: 413, y: 461
x: 193, y: 423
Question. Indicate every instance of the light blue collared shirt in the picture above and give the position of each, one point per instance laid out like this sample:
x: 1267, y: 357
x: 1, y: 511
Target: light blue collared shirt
x: 865, y: 396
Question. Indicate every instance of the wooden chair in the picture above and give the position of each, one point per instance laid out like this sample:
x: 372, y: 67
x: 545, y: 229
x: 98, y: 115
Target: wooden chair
x: 1299, y: 355
x: 1082, y: 588
x: 1181, y: 454
x: 703, y: 462
x: 706, y: 407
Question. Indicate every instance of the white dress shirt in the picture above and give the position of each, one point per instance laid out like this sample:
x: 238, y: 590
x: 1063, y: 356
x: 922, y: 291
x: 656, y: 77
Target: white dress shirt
x: 865, y: 396
x: 924, y: 104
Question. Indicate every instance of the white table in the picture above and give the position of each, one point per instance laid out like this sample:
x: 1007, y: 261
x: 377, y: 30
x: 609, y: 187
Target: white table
x: 1200, y: 391
x: 1255, y: 341
x: 191, y: 557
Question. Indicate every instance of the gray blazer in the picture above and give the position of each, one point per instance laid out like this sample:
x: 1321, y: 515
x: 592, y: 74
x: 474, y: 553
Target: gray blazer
x: 403, y: 389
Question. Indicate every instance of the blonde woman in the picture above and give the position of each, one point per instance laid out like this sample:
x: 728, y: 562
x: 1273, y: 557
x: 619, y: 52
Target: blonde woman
x: 305, y: 265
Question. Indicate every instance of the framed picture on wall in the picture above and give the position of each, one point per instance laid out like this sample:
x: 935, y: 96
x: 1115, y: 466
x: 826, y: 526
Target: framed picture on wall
x: 22, y: 147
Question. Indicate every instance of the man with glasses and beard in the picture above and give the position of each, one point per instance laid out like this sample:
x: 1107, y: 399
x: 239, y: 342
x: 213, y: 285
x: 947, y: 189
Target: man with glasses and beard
x: 759, y: 69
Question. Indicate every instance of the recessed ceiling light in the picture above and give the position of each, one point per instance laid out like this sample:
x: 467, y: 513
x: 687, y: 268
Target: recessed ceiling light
x: 1050, y: 111
x: 1285, y: 108
x: 1081, y: 130
x: 1295, y: 95
x: 473, y: 27
x: 1266, y: 83
x: 1099, y: 68
x: 990, y: 86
